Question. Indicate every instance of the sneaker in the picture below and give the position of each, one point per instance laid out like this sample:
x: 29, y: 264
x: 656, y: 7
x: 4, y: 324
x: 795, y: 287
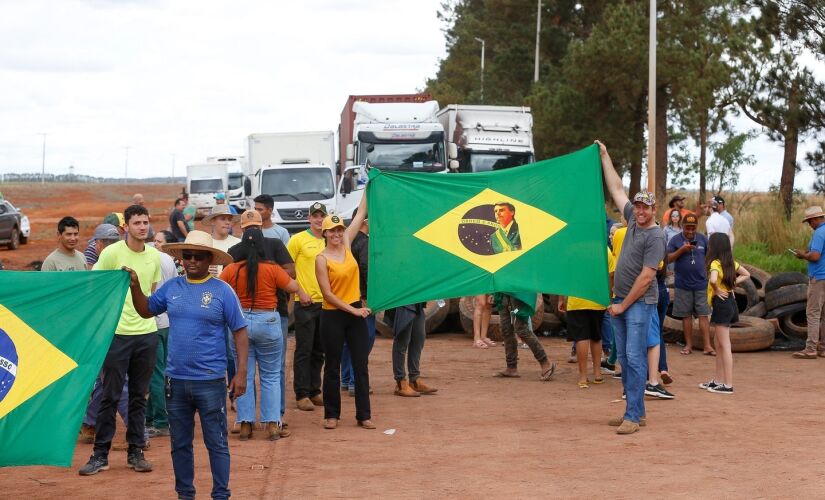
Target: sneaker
x: 158, y: 432
x: 617, y: 375
x: 351, y: 391
x: 136, y: 461
x: 707, y: 385
x: 608, y: 368
x: 95, y: 464
x: 572, y: 359
x: 721, y: 389
x: 658, y: 391
x: 624, y: 395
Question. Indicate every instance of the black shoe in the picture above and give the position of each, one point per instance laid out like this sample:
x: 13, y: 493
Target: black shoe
x: 158, y: 432
x: 95, y: 464
x: 658, y: 391
x: 608, y: 368
x: 136, y: 461
x: 721, y: 389
x: 617, y: 375
x: 707, y: 385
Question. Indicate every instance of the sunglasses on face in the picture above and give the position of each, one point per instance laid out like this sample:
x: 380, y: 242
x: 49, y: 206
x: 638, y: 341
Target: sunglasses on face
x: 192, y: 255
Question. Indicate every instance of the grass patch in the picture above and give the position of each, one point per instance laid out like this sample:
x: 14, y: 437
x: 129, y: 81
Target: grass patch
x: 757, y: 254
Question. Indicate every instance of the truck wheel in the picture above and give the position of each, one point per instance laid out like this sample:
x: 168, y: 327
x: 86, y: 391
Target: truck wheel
x: 14, y: 242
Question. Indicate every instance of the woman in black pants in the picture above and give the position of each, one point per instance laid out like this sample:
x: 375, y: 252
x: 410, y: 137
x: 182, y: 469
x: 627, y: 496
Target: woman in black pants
x: 343, y: 318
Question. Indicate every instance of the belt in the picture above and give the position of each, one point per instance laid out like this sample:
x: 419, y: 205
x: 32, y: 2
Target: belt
x: 258, y: 310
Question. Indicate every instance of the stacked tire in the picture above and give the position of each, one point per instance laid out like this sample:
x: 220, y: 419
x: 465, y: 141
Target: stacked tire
x: 466, y: 308
x: 434, y: 313
x: 786, y: 296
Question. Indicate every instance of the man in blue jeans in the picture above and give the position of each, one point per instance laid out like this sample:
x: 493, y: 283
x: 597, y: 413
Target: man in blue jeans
x: 200, y: 309
x: 635, y: 290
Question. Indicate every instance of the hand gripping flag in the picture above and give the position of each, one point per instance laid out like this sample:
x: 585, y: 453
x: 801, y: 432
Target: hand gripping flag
x: 55, y: 330
x: 538, y: 228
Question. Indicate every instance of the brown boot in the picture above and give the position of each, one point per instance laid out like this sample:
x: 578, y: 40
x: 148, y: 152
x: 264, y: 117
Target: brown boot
x: 274, y: 430
x: 246, y: 431
x: 305, y: 404
x: 419, y: 386
x: 402, y: 388
x: 317, y: 400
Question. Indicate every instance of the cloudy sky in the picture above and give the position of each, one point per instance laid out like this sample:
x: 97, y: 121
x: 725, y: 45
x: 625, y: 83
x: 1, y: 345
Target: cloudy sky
x: 177, y: 81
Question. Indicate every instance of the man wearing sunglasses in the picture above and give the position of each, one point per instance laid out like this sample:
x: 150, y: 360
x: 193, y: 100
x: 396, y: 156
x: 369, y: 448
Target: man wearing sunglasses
x: 201, y: 308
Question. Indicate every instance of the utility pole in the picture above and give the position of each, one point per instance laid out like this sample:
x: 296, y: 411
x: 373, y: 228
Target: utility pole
x: 651, y: 103
x: 126, y: 166
x: 172, y: 180
x: 538, y: 30
x: 482, y: 67
x: 43, y: 167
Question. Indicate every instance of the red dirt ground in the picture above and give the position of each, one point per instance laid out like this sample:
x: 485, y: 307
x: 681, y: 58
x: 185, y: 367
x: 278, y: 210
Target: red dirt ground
x: 479, y: 437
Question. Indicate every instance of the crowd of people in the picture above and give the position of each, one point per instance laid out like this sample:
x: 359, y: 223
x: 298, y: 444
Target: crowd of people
x: 207, y: 315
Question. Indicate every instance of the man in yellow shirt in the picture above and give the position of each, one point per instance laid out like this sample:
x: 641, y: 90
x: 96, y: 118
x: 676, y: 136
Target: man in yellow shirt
x: 309, y: 354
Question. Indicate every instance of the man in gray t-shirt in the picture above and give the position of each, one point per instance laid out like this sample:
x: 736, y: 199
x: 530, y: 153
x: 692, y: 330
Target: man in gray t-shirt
x: 66, y: 257
x: 636, y: 291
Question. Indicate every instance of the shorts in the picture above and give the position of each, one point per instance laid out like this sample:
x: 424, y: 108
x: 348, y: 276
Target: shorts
x: 687, y: 303
x: 654, y: 332
x: 725, y: 312
x: 584, y: 324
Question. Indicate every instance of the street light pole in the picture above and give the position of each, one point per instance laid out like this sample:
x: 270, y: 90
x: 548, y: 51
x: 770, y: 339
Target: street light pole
x: 172, y: 180
x: 651, y: 103
x: 126, y: 166
x: 538, y: 30
x: 482, y: 67
x: 43, y: 166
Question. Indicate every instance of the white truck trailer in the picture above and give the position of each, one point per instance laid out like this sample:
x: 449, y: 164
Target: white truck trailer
x: 238, y: 174
x: 203, y: 182
x: 489, y: 137
x: 297, y: 169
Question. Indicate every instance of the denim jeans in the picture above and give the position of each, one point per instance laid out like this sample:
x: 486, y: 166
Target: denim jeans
x: 208, y: 398
x: 347, y: 378
x: 284, y: 331
x: 156, y: 405
x: 607, y: 333
x: 90, y: 418
x: 661, y: 309
x: 630, y: 336
x: 407, y: 346
x: 265, y: 350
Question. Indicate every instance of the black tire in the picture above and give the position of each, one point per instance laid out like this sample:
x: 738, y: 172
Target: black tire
x: 748, y: 335
x: 757, y: 311
x: 746, y: 295
x: 467, y: 306
x: 673, y: 329
x: 795, y: 325
x: 789, y: 294
x: 759, y: 276
x: 785, y: 310
x: 434, y: 316
x: 23, y: 240
x: 780, y: 280
x: 14, y: 241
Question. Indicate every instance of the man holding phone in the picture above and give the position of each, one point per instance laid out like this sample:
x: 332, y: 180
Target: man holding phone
x: 687, y: 250
x: 814, y: 346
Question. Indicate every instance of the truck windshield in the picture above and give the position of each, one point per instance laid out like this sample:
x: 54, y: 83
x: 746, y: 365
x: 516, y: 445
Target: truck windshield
x: 206, y: 186
x: 484, y: 162
x: 423, y: 157
x: 298, y: 184
x: 235, y: 180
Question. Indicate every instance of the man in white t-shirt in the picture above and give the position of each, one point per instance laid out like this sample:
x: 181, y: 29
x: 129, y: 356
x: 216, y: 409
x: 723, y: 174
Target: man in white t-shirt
x: 221, y: 219
x: 716, y: 222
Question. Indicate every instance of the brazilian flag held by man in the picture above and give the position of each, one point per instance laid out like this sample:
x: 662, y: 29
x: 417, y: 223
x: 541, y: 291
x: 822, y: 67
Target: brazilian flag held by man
x: 55, y: 330
x: 537, y: 228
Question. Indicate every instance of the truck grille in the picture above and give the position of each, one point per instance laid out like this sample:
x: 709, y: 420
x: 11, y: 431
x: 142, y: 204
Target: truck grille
x: 293, y: 214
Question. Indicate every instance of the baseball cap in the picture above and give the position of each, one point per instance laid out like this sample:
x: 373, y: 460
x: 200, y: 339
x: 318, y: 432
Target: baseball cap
x: 115, y: 219
x: 690, y: 220
x: 645, y: 197
x: 318, y: 207
x: 719, y: 200
x: 105, y: 232
x: 251, y: 218
x: 220, y: 196
x: 332, y: 221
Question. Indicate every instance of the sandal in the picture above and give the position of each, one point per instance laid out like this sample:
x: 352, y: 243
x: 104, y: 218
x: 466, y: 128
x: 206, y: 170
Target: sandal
x: 480, y: 344
x: 504, y: 374
x: 709, y: 353
x: 489, y: 342
x: 548, y: 375
x: 599, y: 380
x: 583, y: 385
x: 685, y: 351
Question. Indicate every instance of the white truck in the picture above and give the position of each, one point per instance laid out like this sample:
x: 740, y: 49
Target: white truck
x: 203, y: 182
x: 489, y: 137
x: 390, y: 135
x: 297, y: 169
x: 237, y: 174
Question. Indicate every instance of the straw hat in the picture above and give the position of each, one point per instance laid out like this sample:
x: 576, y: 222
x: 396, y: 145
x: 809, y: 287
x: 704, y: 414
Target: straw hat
x: 813, y: 213
x: 219, y: 210
x: 200, y: 241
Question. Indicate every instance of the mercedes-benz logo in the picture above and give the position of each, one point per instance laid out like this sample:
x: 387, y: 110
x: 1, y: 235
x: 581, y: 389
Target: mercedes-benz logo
x: 299, y: 214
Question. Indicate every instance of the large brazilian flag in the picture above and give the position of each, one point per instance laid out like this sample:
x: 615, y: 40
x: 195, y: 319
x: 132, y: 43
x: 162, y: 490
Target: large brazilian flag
x: 55, y: 330
x: 538, y: 228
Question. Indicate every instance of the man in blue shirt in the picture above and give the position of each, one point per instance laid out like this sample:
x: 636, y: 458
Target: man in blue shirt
x: 687, y: 250
x: 814, y: 346
x: 200, y: 309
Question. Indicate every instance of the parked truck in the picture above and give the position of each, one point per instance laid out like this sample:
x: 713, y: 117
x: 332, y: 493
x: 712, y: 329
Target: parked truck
x: 297, y: 169
x: 390, y: 132
x: 203, y: 182
x: 489, y: 137
x: 237, y: 175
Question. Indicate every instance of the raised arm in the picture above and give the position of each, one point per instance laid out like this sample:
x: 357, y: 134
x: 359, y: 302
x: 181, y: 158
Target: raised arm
x: 612, y: 179
x: 357, y: 221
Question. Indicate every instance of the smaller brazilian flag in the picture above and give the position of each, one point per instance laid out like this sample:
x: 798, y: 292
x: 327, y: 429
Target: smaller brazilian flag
x: 55, y: 330
x: 537, y: 228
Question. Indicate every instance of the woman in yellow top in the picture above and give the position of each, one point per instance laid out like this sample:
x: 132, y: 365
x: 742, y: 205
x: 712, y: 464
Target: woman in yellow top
x: 724, y: 274
x: 343, y: 318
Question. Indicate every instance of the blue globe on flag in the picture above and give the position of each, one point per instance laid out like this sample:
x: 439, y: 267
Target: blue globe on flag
x: 8, y: 364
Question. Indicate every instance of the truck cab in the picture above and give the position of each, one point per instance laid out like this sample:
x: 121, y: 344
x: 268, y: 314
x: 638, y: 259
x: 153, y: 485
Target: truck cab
x: 489, y: 137
x: 203, y: 182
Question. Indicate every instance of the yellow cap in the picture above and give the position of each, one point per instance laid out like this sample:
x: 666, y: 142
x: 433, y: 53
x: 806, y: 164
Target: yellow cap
x: 332, y: 221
